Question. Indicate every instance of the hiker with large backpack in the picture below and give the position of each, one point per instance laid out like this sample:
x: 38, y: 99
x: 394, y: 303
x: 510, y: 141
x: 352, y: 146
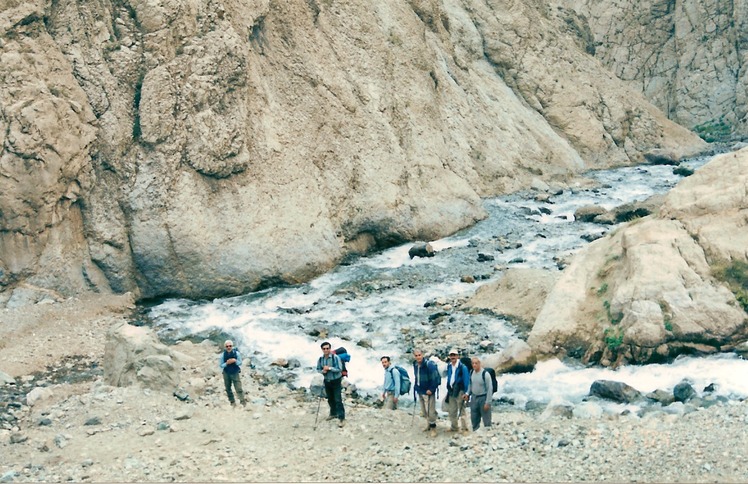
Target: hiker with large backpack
x: 330, y: 365
x: 396, y: 383
x: 426, y: 379
x: 391, y: 388
x: 458, y: 383
x: 480, y: 395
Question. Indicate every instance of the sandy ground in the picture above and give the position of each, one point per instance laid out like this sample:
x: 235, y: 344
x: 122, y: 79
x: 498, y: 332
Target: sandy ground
x: 91, y: 432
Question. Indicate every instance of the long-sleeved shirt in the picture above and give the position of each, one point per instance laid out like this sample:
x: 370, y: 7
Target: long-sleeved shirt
x: 336, y: 367
x: 458, y: 377
x: 226, y: 355
x: 426, y: 376
x: 392, y: 380
x: 480, y: 382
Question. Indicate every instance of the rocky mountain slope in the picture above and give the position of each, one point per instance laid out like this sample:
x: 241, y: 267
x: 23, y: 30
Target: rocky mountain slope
x: 688, y: 58
x: 168, y: 147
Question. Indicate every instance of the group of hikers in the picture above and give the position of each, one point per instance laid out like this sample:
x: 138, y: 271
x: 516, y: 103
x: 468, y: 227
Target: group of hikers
x: 471, y: 386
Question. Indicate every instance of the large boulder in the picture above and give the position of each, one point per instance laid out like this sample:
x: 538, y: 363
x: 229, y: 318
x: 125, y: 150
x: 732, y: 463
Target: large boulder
x: 518, y: 295
x: 517, y: 357
x: 649, y: 292
x: 134, y: 356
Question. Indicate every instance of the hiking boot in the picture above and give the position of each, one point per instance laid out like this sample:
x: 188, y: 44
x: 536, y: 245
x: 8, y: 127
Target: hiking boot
x: 330, y: 417
x: 341, y: 423
x: 428, y: 427
x: 233, y: 404
x: 432, y: 432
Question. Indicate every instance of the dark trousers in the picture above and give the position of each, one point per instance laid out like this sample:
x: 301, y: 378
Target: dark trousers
x: 333, y: 388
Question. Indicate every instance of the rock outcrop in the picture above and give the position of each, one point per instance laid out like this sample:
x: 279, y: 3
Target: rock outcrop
x: 168, y: 147
x: 133, y: 355
x: 656, y: 288
x: 688, y: 58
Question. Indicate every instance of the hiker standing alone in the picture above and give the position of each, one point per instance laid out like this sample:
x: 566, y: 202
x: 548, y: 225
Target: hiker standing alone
x: 458, y: 382
x: 231, y: 362
x: 427, y: 379
x: 480, y: 390
x: 330, y: 366
x: 391, y: 384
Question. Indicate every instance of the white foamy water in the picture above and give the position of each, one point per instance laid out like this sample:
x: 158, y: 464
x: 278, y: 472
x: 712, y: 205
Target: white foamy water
x: 375, y: 300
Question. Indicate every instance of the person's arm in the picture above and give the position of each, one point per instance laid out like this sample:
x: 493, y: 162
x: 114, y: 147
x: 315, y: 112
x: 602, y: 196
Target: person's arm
x: 489, y: 388
x: 396, y: 379
x: 319, y: 365
x: 238, y: 358
x: 221, y: 361
x: 433, y: 377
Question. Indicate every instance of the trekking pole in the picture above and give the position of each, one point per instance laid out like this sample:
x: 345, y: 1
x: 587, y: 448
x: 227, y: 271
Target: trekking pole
x: 412, y: 421
x: 319, y: 401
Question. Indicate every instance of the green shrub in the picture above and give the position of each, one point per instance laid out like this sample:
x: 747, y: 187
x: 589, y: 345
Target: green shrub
x: 735, y: 275
x: 613, y: 338
x: 714, y: 130
x: 602, y: 289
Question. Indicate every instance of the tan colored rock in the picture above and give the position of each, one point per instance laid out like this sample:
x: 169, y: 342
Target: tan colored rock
x: 207, y: 149
x: 518, y: 357
x: 519, y: 295
x: 133, y: 355
x: 683, y: 56
x: 648, y: 289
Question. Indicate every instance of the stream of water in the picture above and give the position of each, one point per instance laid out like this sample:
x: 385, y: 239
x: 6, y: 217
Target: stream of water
x: 378, y: 298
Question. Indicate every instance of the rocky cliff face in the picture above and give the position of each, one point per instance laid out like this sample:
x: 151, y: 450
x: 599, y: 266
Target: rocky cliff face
x: 662, y: 285
x: 174, y: 147
x: 689, y: 58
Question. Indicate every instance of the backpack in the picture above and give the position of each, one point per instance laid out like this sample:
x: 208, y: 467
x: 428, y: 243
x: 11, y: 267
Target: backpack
x: 494, y: 382
x: 404, y: 380
x: 465, y: 360
x: 344, y: 358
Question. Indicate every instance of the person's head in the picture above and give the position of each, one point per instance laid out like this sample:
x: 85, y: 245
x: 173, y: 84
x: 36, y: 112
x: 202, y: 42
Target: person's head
x: 454, y: 355
x: 326, y: 347
x: 476, y: 363
x: 229, y: 345
x: 418, y: 355
x: 385, y: 362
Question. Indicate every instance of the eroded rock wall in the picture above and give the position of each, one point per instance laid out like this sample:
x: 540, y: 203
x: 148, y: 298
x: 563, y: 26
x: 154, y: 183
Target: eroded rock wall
x: 690, y: 58
x: 209, y: 148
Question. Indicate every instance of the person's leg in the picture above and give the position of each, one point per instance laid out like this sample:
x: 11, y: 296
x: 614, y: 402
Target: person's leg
x: 338, y: 393
x: 329, y: 390
x: 462, y: 412
x: 389, y: 401
x: 227, y: 384
x: 424, y: 409
x: 237, y: 379
x: 452, y: 409
x: 475, y: 413
x: 487, y: 414
x: 432, y: 410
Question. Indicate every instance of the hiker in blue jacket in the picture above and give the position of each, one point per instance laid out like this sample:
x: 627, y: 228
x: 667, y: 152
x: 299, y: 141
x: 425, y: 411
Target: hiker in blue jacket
x: 230, y: 363
x: 427, y: 379
x: 330, y: 366
x: 391, y: 389
x: 458, y: 384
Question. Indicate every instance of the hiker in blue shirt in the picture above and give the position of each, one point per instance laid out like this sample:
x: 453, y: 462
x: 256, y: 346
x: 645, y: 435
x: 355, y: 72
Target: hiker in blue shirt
x: 230, y: 363
x: 426, y: 377
x: 458, y: 383
x: 391, y: 388
x: 330, y: 366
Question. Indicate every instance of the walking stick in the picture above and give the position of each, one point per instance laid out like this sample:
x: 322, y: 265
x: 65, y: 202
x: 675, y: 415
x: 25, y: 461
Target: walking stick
x: 319, y: 401
x: 412, y: 421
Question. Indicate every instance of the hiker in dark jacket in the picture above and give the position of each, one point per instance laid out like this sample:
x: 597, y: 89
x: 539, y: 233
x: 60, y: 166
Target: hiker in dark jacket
x: 330, y: 366
x: 231, y: 362
x: 458, y: 383
x: 426, y: 378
